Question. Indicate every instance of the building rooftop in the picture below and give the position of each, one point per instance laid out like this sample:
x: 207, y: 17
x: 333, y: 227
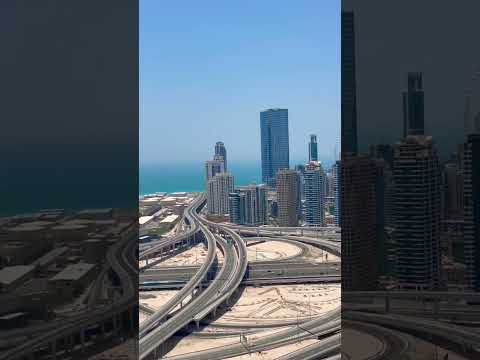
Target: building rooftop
x: 144, y: 219
x: 170, y: 219
x: 10, y: 274
x: 179, y: 194
x: 26, y: 228
x: 73, y: 272
x: 100, y: 211
x: 50, y: 256
x: 70, y: 227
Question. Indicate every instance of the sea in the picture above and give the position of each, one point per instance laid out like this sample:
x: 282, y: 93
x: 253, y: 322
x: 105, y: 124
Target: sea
x: 190, y: 177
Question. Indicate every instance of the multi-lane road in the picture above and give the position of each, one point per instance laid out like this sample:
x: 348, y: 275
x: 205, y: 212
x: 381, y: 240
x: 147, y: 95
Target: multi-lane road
x: 203, y: 302
x: 120, y: 258
x: 220, y: 284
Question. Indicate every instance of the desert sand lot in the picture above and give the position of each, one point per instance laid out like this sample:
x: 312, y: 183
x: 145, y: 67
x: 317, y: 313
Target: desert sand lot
x: 271, y: 250
x: 366, y: 346
x: 125, y: 351
x: 194, y: 256
x: 257, y: 305
x: 283, y: 302
x: 277, y: 352
x: 155, y: 299
x: 272, y: 304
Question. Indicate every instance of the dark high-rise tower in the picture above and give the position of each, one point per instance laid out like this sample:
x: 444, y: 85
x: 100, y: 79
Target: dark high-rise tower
x: 313, y: 149
x: 358, y: 222
x: 349, y: 88
x: 413, y: 106
x: 416, y: 213
x: 275, y: 146
x: 288, y: 197
x: 220, y: 150
x: 471, y: 211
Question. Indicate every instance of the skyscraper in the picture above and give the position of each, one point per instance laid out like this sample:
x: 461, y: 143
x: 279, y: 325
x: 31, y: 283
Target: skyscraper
x: 314, y: 194
x: 213, y: 167
x: 236, y: 202
x: 288, y: 197
x: 313, y: 149
x: 413, y: 106
x: 274, y: 143
x: 358, y: 222
x: 416, y: 212
x: 220, y: 150
x: 471, y: 204
x: 349, y: 87
x: 248, y: 205
x: 336, y: 177
x: 218, y: 189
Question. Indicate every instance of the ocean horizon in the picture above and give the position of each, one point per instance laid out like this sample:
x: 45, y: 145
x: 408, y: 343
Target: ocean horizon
x: 190, y: 177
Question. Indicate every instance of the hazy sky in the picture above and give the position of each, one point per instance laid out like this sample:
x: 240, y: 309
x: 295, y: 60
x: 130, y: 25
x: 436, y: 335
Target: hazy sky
x: 435, y: 41
x: 207, y: 68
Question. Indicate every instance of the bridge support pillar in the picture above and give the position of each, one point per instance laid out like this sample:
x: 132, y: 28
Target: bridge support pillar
x: 53, y: 349
x: 68, y: 342
x: 115, y: 324
x: 197, y: 324
x: 214, y: 312
x: 131, y: 318
x: 436, y: 308
x: 82, y: 340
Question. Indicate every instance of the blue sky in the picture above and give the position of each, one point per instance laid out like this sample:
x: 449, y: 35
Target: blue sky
x: 207, y: 68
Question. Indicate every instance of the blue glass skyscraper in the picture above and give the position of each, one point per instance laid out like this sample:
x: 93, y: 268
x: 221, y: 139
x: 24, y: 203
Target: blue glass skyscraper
x: 275, y: 145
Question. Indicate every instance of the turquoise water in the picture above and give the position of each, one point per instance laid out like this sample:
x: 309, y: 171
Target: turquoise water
x: 190, y: 177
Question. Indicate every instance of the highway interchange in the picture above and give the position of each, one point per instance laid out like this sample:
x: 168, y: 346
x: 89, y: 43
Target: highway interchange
x: 206, y: 295
x: 121, y: 261
x: 203, y: 289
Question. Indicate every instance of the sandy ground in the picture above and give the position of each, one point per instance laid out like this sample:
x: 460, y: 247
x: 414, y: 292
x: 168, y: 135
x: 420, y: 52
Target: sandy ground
x: 417, y: 348
x: 272, y: 250
x: 141, y: 317
x: 319, y: 255
x: 155, y: 299
x: 190, y: 344
x: 370, y: 345
x: 283, y: 302
x: 422, y: 350
x: 257, y: 304
x: 194, y: 256
x: 277, y: 352
x: 125, y: 351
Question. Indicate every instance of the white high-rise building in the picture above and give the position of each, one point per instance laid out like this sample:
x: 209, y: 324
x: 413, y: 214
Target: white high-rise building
x: 213, y: 167
x: 218, y: 189
x: 255, y: 204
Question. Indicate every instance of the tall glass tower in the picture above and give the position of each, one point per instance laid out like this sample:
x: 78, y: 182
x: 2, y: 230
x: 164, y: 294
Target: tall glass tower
x: 313, y: 148
x: 275, y: 146
x: 220, y: 150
